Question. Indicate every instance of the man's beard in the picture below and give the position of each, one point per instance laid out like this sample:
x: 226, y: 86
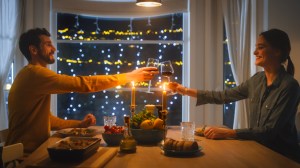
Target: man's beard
x: 47, y: 57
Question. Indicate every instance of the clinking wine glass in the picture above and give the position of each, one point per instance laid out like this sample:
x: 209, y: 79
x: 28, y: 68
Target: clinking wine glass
x: 152, y: 62
x: 166, y: 70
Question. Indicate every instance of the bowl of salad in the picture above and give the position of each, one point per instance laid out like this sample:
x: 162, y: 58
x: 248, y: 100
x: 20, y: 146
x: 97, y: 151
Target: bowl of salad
x: 146, y: 128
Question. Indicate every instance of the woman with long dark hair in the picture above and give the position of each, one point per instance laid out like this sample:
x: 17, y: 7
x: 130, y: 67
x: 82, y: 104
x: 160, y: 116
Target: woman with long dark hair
x: 273, y: 94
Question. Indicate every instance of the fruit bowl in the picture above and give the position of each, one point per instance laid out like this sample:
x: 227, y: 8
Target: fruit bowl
x: 112, y: 139
x: 151, y: 136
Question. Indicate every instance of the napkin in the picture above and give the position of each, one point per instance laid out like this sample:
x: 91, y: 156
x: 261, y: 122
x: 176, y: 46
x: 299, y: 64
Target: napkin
x: 200, y: 131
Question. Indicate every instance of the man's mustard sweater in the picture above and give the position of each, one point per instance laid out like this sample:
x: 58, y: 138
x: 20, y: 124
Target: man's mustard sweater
x: 30, y: 119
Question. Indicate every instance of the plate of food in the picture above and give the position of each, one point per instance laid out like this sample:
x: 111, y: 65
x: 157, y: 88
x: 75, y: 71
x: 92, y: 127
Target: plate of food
x: 73, y: 148
x: 77, y: 132
x: 181, y: 153
x: 173, y: 147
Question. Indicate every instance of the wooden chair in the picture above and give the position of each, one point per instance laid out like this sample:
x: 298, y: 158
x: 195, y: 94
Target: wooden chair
x: 3, y: 135
x: 9, y: 154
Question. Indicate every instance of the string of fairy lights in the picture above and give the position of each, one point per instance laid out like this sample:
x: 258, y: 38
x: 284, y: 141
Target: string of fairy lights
x: 114, y: 59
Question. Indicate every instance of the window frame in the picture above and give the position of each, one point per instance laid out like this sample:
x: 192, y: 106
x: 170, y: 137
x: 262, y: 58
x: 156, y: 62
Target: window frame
x: 184, y: 42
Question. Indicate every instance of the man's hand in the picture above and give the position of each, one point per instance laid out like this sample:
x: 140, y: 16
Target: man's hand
x: 142, y: 74
x: 88, y: 120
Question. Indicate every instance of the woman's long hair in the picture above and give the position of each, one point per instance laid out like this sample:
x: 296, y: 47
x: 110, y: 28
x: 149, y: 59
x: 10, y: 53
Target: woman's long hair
x: 280, y: 40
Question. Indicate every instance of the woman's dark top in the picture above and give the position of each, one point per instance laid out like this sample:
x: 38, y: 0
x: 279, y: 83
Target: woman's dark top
x: 272, y: 110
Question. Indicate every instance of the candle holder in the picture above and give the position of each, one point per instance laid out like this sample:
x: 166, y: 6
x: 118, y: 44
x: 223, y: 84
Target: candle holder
x: 159, y: 108
x: 132, y: 110
x: 164, y: 118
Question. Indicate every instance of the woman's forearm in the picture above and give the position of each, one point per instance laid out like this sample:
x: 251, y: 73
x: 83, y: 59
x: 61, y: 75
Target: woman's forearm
x: 186, y: 91
x: 190, y: 92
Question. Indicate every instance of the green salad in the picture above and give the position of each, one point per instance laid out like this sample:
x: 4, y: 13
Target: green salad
x: 138, y: 118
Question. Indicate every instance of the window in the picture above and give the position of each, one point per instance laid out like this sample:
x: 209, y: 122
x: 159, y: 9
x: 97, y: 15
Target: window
x: 229, y: 82
x: 89, y: 45
x: 7, y: 85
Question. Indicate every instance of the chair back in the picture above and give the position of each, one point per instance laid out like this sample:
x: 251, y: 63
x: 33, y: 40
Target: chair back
x: 3, y: 135
x: 1, y: 161
x: 11, y: 154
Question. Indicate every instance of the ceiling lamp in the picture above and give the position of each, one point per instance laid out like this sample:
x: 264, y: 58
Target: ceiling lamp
x: 148, y: 3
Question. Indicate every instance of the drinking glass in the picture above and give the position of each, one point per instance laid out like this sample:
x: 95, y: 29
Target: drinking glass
x: 166, y: 69
x: 150, y: 108
x: 152, y: 62
x: 187, y: 131
x: 110, y: 120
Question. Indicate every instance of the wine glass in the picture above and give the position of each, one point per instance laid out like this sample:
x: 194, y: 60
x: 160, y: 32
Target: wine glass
x: 167, y: 71
x: 152, y: 62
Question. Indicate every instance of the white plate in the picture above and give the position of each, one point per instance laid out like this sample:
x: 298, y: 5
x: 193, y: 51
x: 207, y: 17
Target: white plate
x: 78, y: 132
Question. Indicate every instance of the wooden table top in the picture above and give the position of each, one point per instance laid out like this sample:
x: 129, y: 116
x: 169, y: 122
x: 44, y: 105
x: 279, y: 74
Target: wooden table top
x: 214, y: 153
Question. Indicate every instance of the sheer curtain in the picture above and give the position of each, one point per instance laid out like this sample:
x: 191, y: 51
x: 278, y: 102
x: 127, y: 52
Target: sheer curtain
x: 242, y: 25
x: 17, y: 16
x: 205, y: 59
x: 9, y: 31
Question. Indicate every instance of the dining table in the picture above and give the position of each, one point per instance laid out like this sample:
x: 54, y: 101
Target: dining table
x: 213, y: 153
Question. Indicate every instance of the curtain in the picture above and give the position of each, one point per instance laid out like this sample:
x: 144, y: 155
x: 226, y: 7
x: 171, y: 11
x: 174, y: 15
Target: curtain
x: 16, y: 17
x: 9, y: 28
x: 204, y: 68
x: 241, y: 24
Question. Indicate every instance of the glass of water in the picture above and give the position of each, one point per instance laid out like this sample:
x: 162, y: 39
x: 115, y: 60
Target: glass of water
x: 187, y: 131
x: 110, y: 120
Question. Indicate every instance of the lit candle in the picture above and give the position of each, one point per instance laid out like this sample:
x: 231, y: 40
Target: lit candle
x: 132, y: 95
x: 164, y: 98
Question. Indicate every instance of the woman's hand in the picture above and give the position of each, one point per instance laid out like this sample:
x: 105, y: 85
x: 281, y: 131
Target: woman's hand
x: 142, y: 74
x: 176, y: 87
x: 88, y: 120
x: 219, y: 133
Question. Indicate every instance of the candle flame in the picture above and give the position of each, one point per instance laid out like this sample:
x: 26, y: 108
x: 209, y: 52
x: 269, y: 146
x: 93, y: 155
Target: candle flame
x: 164, y: 86
x: 132, y: 83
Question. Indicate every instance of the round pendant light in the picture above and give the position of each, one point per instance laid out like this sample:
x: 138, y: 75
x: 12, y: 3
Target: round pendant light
x: 148, y: 3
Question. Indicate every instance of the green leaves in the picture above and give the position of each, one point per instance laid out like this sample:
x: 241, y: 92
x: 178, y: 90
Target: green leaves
x: 138, y: 118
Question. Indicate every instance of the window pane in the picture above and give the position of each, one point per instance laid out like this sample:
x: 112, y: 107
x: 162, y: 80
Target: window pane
x: 79, y: 27
x: 84, y: 57
x: 229, y: 82
x: 8, y: 83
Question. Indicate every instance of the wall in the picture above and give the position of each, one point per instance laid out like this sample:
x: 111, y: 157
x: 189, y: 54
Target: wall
x: 285, y: 15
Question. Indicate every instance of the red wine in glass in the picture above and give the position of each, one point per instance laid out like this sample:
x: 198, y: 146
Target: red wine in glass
x: 166, y: 69
x: 167, y: 74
